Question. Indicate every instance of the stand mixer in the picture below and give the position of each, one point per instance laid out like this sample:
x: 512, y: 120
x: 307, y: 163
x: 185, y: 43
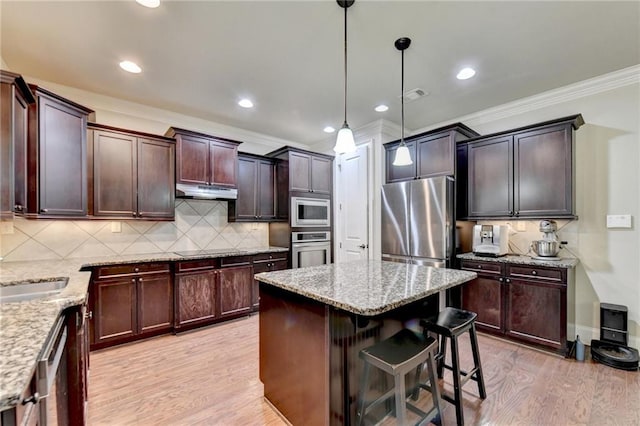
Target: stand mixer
x: 548, y: 247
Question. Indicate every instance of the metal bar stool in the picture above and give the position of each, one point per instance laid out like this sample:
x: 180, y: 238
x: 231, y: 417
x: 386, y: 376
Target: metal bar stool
x: 398, y: 355
x: 451, y: 323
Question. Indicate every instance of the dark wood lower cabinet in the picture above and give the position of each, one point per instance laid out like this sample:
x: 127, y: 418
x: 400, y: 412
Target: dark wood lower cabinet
x: 129, y: 302
x: 235, y: 290
x: 135, y: 301
x: 521, y: 302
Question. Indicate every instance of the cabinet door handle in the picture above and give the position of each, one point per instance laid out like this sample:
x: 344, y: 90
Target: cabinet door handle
x: 136, y: 269
x: 534, y: 273
x: 507, y: 280
x: 89, y: 315
x: 17, y: 207
x: 44, y: 210
x: 517, y: 213
x: 479, y: 266
x: 33, y: 399
x: 500, y: 279
x: 510, y: 212
x: 134, y: 214
x: 133, y: 280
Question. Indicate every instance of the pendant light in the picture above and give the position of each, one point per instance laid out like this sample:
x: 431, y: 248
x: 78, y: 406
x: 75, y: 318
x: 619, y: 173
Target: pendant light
x: 345, y: 141
x: 403, y: 157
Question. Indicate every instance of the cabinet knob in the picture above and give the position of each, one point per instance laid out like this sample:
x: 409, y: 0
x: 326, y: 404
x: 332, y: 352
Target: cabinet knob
x: 534, y: 272
x: 140, y: 280
x: 134, y: 214
x: 17, y: 207
x: 517, y: 213
x: 507, y: 280
x: 510, y: 212
x: 136, y: 269
x: 479, y: 266
x: 89, y: 315
x: 33, y: 399
x: 44, y: 210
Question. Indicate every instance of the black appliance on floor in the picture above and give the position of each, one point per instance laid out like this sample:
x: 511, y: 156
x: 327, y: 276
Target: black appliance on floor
x: 612, y: 349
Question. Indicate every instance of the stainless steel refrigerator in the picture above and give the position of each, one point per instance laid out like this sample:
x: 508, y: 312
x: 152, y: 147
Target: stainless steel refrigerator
x: 417, y: 221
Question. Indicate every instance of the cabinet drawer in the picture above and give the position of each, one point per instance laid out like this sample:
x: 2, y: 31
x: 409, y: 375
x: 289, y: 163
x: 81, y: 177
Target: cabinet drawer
x: 197, y: 265
x: 135, y: 269
x: 235, y: 261
x: 536, y: 273
x: 266, y: 257
x: 276, y: 265
x: 485, y: 267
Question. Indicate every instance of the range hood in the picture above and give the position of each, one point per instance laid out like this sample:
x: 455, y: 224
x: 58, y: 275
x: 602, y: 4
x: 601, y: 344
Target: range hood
x: 205, y: 192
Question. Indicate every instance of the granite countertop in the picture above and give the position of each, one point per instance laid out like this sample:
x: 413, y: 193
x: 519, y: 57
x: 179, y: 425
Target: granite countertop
x: 367, y: 287
x: 564, y: 262
x: 25, y: 326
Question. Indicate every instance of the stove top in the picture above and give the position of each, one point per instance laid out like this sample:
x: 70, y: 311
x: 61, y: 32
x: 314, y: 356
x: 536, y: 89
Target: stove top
x: 198, y: 253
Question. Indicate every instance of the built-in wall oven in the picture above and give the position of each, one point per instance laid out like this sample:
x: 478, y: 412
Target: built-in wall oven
x: 310, y: 212
x: 310, y: 248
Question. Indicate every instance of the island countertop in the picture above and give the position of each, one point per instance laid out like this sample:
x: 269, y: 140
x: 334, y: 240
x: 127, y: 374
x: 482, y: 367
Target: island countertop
x: 368, y: 287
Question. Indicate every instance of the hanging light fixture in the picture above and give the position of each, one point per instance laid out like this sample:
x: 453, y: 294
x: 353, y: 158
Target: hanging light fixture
x: 345, y: 141
x: 403, y: 157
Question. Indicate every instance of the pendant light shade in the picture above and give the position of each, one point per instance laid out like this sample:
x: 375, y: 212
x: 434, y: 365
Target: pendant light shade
x: 403, y: 156
x: 345, y: 141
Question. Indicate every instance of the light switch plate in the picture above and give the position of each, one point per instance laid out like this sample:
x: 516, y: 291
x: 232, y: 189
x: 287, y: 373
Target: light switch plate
x: 618, y: 221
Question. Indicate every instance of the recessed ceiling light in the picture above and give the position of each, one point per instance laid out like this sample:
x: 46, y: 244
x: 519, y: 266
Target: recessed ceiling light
x: 245, y: 103
x: 149, y: 3
x: 329, y: 129
x: 381, y: 108
x: 466, y: 73
x: 130, y: 67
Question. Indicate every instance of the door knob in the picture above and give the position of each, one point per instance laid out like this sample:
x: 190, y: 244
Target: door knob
x: 362, y: 246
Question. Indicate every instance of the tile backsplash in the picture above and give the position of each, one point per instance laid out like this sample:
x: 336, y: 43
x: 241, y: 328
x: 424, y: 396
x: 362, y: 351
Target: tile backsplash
x: 199, y: 224
x: 520, y: 240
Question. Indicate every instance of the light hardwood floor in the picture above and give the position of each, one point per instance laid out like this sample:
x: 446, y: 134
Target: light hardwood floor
x: 210, y: 377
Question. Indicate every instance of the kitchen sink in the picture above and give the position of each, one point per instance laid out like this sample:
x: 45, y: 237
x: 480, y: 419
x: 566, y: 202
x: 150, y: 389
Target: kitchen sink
x: 30, y: 290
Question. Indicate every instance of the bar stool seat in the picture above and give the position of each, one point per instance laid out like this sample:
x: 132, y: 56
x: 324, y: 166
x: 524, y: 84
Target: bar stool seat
x: 398, y: 355
x: 449, y: 324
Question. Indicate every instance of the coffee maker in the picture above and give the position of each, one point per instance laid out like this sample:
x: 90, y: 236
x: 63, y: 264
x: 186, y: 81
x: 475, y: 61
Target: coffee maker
x: 490, y: 240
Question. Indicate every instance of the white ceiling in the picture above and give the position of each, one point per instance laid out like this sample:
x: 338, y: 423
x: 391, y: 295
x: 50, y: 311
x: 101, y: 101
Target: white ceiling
x: 200, y: 57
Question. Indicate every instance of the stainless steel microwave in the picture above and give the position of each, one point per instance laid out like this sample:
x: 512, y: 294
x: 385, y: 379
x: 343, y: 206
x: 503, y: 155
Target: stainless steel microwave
x: 310, y: 212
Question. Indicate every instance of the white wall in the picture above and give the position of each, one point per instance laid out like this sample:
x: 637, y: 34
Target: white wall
x: 607, y: 182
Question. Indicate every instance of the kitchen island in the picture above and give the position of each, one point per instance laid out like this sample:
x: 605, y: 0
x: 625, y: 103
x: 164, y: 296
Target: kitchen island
x: 314, y: 321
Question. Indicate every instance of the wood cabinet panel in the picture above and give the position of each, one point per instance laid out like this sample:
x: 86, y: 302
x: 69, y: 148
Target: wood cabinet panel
x: 197, y: 297
x: 235, y: 290
x: 299, y: 172
x: 193, y: 160
x: 462, y: 198
x: 536, y: 313
x: 115, y: 310
x: 63, y: 158
x: 114, y: 174
x: 155, y: 303
x: 483, y: 296
x: 156, y: 178
x: 321, y: 174
x: 435, y: 156
x: 266, y: 197
x: 245, y: 204
x: 223, y: 164
x: 543, y: 172
x: 491, y: 177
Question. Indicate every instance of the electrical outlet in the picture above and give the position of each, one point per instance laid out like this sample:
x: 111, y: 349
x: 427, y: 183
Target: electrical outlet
x: 618, y: 221
x: 116, y: 227
x: 521, y: 225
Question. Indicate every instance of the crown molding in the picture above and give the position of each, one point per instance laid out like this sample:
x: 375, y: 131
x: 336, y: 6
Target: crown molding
x: 613, y: 80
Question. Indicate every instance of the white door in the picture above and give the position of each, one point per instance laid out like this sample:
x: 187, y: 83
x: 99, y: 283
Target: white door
x: 353, y: 217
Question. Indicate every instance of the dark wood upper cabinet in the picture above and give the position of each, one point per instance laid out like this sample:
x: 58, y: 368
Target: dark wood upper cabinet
x: 256, y: 190
x: 433, y: 153
x: 526, y: 172
x: 303, y: 173
x: 133, y: 173
x: 205, y: 160
x: 15, y: 97
x: 57, y: 156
